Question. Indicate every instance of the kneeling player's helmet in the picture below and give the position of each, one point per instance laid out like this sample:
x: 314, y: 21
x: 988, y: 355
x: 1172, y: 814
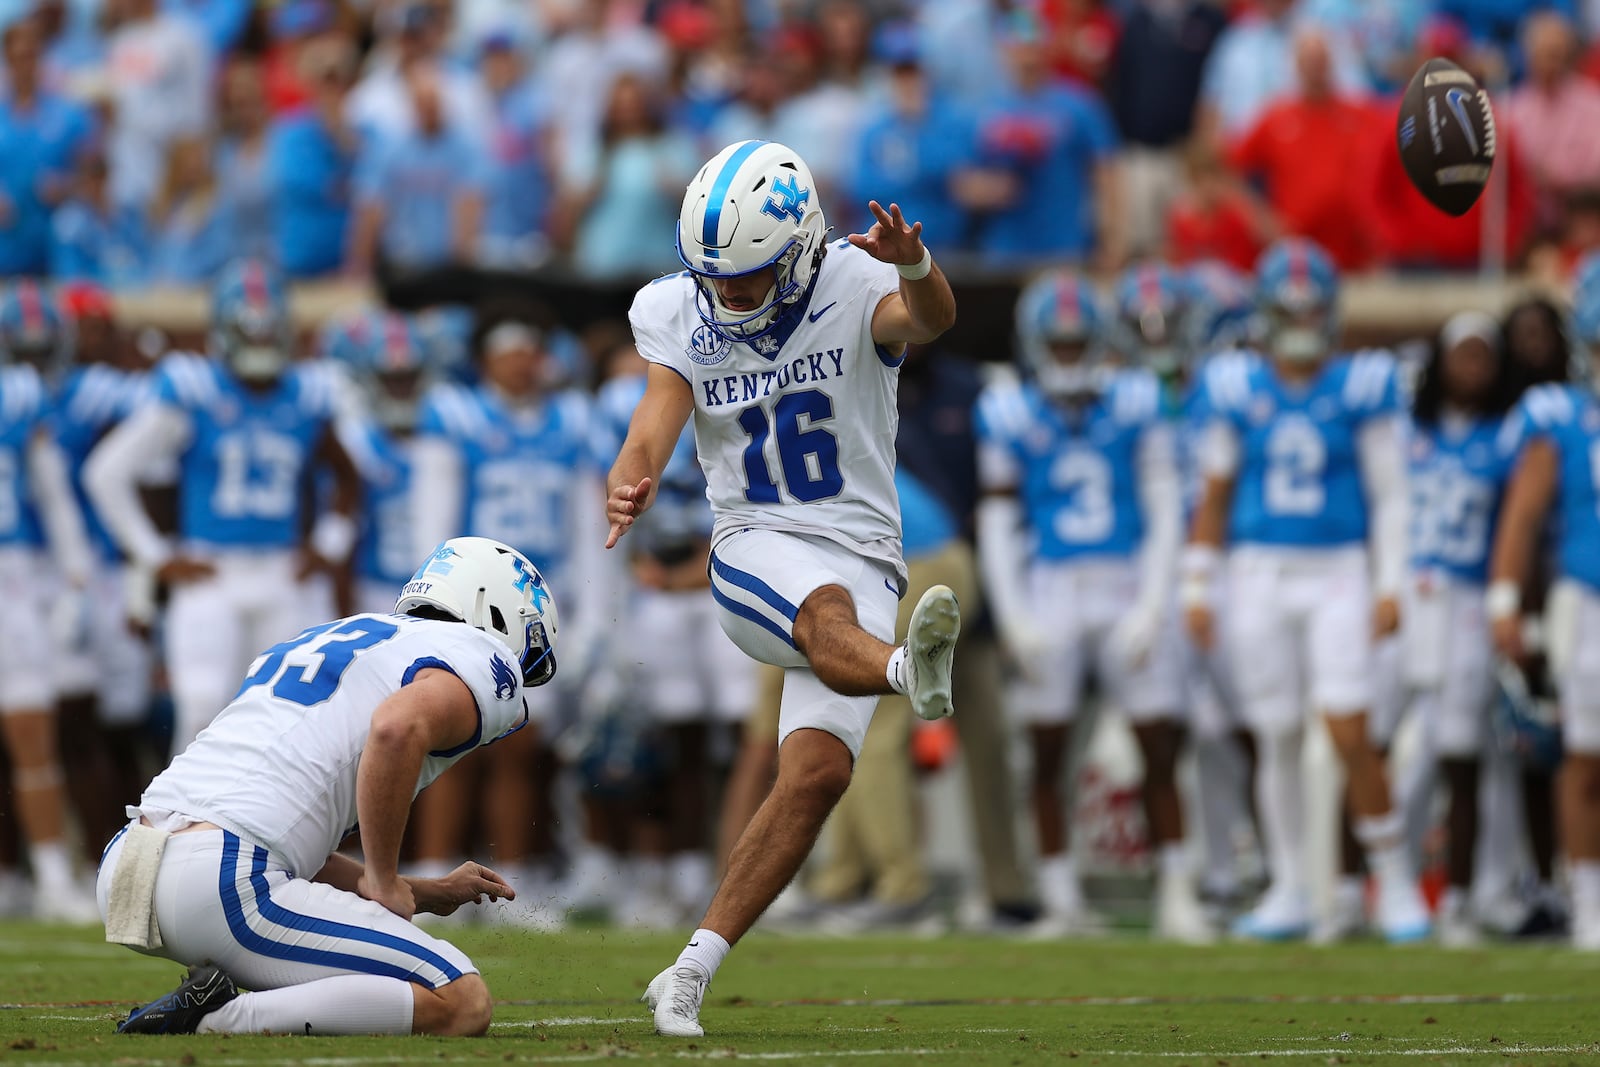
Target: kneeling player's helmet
x: 1059, y: 331
x: 1297, y: 289
x: 250, y: 328
x: 494, y: 588
x: 753, y: 206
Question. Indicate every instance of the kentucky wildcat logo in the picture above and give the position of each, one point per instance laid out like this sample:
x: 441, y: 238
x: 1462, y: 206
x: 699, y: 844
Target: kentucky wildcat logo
x: 505, y: 682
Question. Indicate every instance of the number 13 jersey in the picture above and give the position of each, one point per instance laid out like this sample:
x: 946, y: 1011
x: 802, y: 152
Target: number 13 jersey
x: 796, y: 430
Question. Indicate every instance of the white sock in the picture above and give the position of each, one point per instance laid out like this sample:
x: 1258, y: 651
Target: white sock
x: 1059, y: 890
x: 706, y: 950
x: 1172, y: 860
x: 344, y: 1004
x: 1383, y: 839
x: 1220, y: 772
x: 689, y: 878
x: 1586, y: 884
x: 1280, y: 800
x: 897, y: 670
x: 52, y: 864
x: 1454, y: 903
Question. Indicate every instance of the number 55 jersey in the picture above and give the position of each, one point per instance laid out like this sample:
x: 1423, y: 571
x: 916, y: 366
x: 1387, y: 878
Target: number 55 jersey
x: 796, y: 429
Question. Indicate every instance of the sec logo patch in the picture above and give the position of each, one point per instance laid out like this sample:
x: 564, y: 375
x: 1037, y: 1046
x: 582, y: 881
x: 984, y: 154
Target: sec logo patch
x: 707, y: 347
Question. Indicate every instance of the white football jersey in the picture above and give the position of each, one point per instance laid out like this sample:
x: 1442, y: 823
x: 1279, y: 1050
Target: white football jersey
x: 795, y: 430
x: 278, y: 765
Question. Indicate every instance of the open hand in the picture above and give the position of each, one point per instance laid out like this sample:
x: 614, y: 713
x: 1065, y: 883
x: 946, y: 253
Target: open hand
x: 469, y: 883
x: 890, y: 239
x: 626, y: 503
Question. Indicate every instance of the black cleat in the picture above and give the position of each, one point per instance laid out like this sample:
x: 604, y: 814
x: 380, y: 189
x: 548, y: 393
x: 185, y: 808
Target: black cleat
x: 205, y: 990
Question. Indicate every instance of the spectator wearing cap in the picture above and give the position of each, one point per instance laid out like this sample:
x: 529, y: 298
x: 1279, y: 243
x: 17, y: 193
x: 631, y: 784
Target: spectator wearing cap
x: 40, y: 136
x: 1309, y: 149
x: 1152, y: 88
x: 520, y: 180
x: 1253, y: 64
x: 912, y: 144
x: 94, y: 239
x: 160, y: 75
x: 625, y: 188
x: 411, y: 43
x: 1554, y: 115
x: 1046, y: 153
x: 311, y: 158
x: 243, y: 163
x: 419, y: 195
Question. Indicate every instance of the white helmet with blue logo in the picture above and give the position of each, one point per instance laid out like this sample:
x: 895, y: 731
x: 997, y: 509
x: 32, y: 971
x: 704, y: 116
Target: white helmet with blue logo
x: 494, y: 588
x: 753, y: 206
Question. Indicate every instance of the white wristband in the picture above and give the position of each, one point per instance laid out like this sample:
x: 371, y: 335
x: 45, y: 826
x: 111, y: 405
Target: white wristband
x: 333, y: 537
x: 1503, y: 600
x: 918, y: 270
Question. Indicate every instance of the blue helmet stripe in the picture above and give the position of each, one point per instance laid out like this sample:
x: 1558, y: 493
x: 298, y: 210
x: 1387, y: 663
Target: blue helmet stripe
x: 719, y: 193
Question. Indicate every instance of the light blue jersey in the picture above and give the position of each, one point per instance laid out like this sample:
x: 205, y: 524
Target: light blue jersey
x: 91, y: 401
x: 1569, y: 417
x: 1456, y: 471
x: 386, y: 551
x: 1299, y: 479
x: 242, y: 474
x: 24, y: 411
x: 1076, y: 468
x: 679, y: 519
x: 521, y: 466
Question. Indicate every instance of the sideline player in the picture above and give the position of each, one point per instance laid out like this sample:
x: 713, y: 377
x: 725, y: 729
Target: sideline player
x: 786, y: 351
x: 245, y: 424
x: 1304, y: 466
x: 228, y: 865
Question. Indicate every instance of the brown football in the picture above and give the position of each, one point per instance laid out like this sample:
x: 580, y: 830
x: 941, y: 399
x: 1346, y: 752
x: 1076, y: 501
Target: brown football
x: 1445, y: 131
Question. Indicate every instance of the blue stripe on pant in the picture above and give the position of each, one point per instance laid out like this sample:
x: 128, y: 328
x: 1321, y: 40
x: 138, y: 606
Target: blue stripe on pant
x: 268, y: 909
x: 762, y: 591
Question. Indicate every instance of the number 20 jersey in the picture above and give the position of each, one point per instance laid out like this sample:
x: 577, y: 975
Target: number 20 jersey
x: 278, y: 766
x: 1299, y: 479
x: 797, y: 436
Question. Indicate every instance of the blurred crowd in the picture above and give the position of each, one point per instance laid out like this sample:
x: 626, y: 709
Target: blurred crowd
x: 150, y: 142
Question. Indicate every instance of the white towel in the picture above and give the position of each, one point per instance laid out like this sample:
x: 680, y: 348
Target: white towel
x: 130, y: 902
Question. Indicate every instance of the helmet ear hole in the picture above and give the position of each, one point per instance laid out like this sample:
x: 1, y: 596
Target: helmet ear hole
x: 497, y: 619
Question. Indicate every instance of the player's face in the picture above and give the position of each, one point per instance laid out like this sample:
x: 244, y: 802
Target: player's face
x: 746, y: 292
x: 516, y: 370
x: 1469, y: 369
x: 1069, y: 352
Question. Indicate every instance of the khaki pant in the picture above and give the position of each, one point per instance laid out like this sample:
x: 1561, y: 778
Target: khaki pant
x: 873, y: 835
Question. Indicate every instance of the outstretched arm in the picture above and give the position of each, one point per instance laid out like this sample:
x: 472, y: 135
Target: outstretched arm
x: 652, y: 435
x: 925, y: 306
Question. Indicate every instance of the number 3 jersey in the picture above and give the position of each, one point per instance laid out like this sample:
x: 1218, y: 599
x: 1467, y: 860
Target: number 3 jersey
x: 1075, y: 467
x: 1298, y: 479
x: 279, y: 764
x: 796, y: 430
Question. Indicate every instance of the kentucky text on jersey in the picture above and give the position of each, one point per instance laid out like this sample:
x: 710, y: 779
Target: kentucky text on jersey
x: 743, y: 388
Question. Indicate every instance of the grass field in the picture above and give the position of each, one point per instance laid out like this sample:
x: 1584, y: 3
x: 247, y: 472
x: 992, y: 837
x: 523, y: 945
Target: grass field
x: 572, y: 999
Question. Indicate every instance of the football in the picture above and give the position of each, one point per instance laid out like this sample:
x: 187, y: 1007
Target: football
x: 1445, y: 130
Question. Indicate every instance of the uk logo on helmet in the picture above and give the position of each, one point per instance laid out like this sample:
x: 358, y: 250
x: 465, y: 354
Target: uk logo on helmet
x: 787, y: 199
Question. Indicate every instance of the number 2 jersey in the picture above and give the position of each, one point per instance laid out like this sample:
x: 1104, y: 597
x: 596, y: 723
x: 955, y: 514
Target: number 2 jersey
x: 796, y: 430
x: 1298, y: 479
x: 278, y: 766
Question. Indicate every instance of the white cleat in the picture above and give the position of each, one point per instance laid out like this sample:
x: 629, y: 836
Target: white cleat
x: 930, y: 647
x: 1179, y: 914
x: 1403, y: 913
x: 65, y: 904
x: 674, y: 997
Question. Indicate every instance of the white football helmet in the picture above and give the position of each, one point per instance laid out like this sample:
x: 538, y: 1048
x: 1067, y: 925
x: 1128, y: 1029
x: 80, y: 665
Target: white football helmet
x: 753, y: 206
x: 494, y: 588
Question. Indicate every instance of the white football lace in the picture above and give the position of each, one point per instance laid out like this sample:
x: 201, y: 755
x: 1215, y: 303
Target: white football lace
x: 686, y: 994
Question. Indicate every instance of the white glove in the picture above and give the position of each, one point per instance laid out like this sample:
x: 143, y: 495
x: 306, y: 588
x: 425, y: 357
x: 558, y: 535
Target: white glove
x: 1026, y: 644
x: 1135, y: 634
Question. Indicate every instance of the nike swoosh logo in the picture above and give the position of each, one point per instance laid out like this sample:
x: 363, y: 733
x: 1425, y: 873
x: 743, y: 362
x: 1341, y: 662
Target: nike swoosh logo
x: 1454, y: 98
x: 815, y: 315
x: 694, y: 944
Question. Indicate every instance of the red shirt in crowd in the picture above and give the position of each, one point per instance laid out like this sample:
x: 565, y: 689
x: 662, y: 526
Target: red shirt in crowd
x: 1083, y: 38
x: 1310, y: 156
x: 1412, y: 232
x: 1224, y: 229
